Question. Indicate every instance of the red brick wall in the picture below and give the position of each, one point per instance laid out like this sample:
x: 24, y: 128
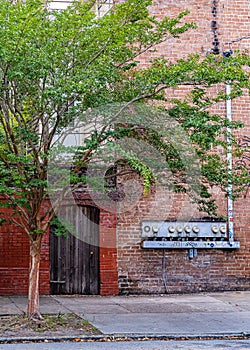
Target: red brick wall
x: 140, y: 270
x: 108, y: 254
x: 14, y: 261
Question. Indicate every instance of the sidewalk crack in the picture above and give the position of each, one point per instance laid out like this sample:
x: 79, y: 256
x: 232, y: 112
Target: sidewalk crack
x: 61, y: 304
x: 124, y: 307
x: 17, y: 306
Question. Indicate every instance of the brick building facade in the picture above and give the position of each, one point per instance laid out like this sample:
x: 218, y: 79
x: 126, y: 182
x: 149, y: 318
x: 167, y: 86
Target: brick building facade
x: 222, y: 25
x: 125, y: 267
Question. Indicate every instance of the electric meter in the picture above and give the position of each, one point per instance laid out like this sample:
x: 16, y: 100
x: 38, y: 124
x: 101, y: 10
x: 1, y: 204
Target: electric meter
x: 179, y: 229
x: 196, y: 229
x: 223, y: 229
x: 171, y: 229
x: 187, y: 229
x: 215, y: 229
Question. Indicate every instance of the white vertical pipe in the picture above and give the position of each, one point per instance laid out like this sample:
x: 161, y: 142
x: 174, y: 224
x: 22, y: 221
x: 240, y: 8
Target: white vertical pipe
x: 230, y: 165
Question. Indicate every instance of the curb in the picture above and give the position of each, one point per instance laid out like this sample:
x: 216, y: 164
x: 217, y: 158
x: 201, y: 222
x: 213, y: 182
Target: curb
x: 125, y: 337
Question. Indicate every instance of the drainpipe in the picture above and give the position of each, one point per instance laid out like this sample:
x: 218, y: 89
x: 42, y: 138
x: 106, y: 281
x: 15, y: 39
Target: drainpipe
x: 230, y: 165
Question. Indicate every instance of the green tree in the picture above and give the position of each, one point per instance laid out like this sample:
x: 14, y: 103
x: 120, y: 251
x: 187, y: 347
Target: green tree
x: 56, y: 65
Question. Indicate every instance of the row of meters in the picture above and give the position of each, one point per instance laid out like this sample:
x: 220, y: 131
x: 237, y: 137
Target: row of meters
x: 196, y: 229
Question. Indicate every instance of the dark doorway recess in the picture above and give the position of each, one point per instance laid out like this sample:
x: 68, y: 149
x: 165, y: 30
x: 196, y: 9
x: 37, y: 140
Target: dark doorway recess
x: 74, y: 260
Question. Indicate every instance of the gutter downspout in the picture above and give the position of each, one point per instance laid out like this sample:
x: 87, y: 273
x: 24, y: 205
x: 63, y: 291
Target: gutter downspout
x: 230, y: 165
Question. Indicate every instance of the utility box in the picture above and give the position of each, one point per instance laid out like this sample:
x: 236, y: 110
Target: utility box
x: 193, y: 234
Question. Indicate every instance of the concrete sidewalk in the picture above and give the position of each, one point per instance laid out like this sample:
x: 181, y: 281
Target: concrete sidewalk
x: 192, y: 315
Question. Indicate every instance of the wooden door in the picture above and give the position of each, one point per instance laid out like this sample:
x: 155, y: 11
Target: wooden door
x: 74, y: 260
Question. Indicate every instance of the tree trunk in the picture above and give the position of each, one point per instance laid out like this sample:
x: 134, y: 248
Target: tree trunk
x: 33, y: 296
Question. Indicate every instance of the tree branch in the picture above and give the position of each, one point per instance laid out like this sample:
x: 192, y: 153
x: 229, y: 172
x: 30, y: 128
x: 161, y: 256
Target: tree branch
x: 15, y: 205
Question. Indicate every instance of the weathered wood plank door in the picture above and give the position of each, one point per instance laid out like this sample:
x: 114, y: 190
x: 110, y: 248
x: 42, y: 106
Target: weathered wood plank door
x: 74, y: 260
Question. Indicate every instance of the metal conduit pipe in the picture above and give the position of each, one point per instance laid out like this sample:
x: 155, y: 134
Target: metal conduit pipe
x: 230, y: 165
